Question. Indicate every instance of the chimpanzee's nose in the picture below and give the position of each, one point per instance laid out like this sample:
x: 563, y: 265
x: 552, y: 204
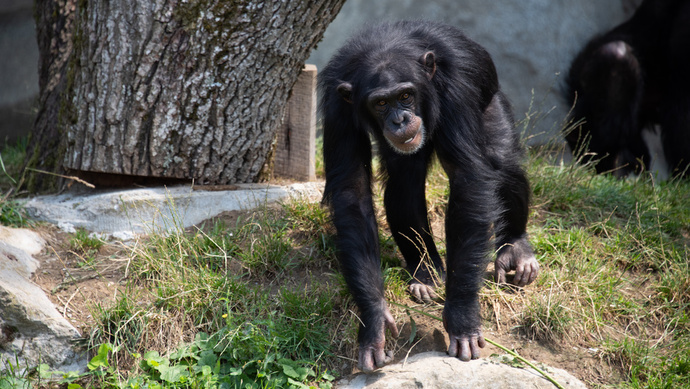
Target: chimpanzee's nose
x: 400, y: 118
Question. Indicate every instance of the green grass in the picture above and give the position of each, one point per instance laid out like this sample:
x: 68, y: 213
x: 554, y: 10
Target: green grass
x: 14, y: 377
x: 12, y: 214
x: 86, y: 247
x: 260, y: 302
x: 223, y: 294
x: 11, y: 160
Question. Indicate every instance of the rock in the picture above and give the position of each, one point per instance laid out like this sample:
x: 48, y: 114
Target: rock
x: 31, y: 329
x: 437, y: 370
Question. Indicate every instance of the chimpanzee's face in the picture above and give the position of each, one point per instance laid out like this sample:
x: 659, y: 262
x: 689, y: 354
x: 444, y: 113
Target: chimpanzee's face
x: 391, y: 95
x: 395, y: 109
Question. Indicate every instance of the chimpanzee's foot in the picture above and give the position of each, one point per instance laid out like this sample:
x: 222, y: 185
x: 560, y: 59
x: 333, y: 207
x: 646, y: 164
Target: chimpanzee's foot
x: 422, y: 292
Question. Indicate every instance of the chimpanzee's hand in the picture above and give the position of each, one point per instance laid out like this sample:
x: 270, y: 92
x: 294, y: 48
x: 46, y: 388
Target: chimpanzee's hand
x: 464, y: 342
x: 373, y: 340
x: 517, y: 256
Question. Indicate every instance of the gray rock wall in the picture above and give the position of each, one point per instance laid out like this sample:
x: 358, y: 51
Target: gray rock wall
x: 531, y: 41
x: 18, y: 69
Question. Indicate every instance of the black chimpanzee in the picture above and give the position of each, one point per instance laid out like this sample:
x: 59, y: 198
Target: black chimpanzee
x: 420, y: 88
x: 635, y: 77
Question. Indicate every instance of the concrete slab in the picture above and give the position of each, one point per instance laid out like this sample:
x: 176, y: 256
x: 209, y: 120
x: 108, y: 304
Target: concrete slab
x: 125, y: 213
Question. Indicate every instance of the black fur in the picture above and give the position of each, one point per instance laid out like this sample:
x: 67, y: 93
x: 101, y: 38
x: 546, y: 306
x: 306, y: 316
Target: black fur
x: 634, y: 77
x: 468, y: 124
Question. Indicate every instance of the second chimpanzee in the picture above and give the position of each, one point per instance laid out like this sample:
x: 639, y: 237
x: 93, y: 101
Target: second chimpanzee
x: 419, y: 89
x: 634, y: 78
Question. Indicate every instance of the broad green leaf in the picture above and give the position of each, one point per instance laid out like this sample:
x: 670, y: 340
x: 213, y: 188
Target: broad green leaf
x: 304, y: 372
x: 45, y: 372
x: 151, y: 354
x: 173, y: 374
x: 297, y: 384
x: 290, y: 371
x: 207, y: 358
x: 100, y: 359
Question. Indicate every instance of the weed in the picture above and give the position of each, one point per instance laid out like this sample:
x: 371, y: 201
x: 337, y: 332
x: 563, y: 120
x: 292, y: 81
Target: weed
x: 615, y: 269
x: 85, y: 246
x: 11, y: 160
x: 269, y: 253
x: 123, y: 324
x: 546, y: 318
x: 311, y: 221
x: 12, y: 214
x: 212, y: 280
x: 303, y: 326
x: 239, y: 355
x: 12, y: 377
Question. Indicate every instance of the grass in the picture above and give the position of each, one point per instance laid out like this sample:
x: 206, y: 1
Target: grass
x: 11, y: 160
x: 258, y: 301
x: 223, y: 293
x: 616, y: 278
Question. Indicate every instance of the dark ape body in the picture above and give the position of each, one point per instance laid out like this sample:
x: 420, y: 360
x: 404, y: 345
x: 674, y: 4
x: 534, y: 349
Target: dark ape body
x: 632, y: 78
x: 421, y: 88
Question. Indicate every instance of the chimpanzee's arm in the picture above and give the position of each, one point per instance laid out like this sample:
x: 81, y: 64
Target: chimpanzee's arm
x: 347, y: 158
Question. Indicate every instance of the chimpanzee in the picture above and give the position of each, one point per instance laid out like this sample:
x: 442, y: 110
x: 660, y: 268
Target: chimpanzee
x: 418, y: 89
x: 635, y: 77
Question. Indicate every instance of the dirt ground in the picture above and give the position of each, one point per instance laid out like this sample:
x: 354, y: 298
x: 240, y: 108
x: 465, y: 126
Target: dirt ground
x: 78, y: 285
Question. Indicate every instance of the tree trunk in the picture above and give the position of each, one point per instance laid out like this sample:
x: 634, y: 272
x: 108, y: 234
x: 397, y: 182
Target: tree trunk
x: 168, y: 88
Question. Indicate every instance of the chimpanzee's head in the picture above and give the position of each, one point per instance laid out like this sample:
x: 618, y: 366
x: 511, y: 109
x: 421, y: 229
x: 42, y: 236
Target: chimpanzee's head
x: 389, y: 94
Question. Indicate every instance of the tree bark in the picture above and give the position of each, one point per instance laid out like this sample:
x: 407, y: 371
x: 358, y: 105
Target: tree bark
x: 168, y: 88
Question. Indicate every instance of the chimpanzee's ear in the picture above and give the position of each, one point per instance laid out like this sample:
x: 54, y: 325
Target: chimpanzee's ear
x: 345, y: 90
x: 429, y: 62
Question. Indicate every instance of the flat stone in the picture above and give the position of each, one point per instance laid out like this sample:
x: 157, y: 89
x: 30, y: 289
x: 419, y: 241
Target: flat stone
x: 437, y: 370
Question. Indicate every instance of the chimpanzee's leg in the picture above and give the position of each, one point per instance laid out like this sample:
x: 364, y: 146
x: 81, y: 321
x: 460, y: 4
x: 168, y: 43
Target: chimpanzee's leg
x: 514, y: 251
